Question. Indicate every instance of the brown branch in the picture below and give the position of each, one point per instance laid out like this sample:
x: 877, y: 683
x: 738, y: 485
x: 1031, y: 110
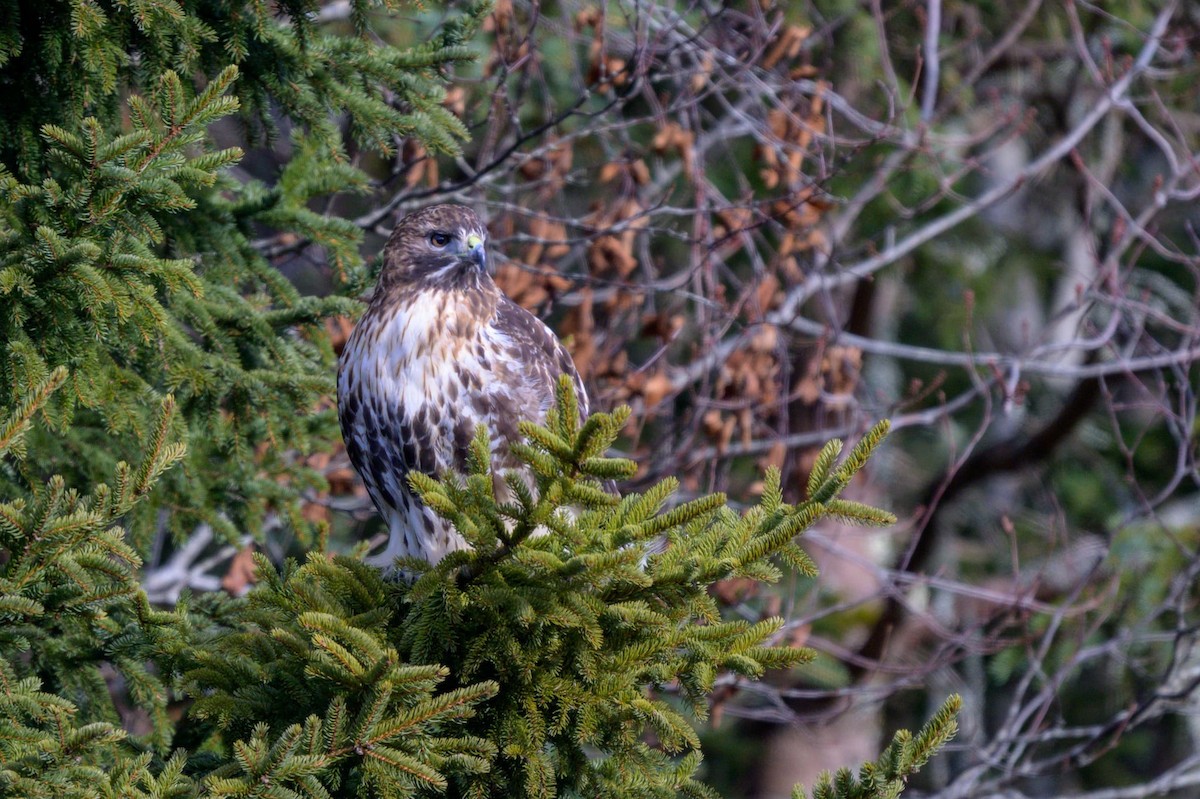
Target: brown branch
x: 1018, y: 452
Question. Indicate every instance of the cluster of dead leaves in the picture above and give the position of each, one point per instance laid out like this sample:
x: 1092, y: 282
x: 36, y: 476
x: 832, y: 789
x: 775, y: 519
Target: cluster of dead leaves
x: 549, y: 167
x: 831, y: 379
x: 616, y: 228
x: 509, y: 45
x: 604, y: 360
x: 534, y: 277
x: 781, y: 156
x: 674, y: 138
x: 792, y: 127
x: 419, y: 169
x: 652, y: 387
x: 748, y: 383
x: 598, y: 356
x: 785, y: 47
x: 579, y: 331
x: 605, y: 70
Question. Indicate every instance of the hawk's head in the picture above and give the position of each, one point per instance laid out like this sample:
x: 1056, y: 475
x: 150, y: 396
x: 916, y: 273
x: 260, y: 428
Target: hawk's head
x: 441, y: 244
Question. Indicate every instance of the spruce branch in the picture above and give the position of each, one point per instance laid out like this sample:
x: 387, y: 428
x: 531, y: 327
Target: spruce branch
x: 579, y: 615
x: 13, y: 429
x: 833, y: 480
x: 322, y: 655
x: 886, y: 777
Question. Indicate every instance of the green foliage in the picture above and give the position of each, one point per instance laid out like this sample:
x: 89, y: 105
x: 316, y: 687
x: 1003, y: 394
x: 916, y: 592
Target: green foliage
x: 69, y: 595
x: 66, y: 61
x: 141, y: 325
x: 74, y: 619
x: 906, y: 754
x: 599, y: 637
x: 305, y: 682
x: 127, y: 252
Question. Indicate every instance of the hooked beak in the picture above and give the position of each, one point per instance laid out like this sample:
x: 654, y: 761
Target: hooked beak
x: 476, y: 252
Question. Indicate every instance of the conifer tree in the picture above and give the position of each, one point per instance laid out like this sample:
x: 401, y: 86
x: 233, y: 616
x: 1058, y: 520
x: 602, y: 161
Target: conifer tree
x: 126, y: 250
x: 158, y: 372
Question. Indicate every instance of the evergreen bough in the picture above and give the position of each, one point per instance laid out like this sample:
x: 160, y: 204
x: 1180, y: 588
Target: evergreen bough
x: 127, y: 249
x: 594, y: 614
x: 886, y: 777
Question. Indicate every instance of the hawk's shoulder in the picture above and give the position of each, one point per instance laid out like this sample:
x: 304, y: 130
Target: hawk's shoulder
x: 528, y: 341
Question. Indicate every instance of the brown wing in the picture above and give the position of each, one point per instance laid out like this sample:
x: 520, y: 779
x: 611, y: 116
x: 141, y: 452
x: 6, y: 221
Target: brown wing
x: 536, y: 358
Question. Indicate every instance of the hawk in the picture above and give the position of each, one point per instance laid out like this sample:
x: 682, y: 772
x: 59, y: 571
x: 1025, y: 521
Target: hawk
x: 439, y: 351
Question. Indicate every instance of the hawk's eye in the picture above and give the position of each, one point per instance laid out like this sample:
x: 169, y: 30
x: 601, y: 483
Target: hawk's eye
x: 439, y: 239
